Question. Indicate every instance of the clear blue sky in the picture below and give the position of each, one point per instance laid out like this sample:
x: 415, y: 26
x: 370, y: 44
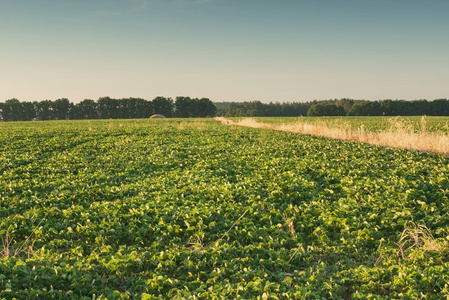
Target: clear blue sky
x: 226, y: 50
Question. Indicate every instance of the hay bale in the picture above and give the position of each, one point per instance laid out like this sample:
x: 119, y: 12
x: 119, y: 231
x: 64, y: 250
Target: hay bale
x: 157, y: 116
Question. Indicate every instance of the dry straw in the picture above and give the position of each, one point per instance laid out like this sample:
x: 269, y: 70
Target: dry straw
x: 399, y: 135
x: 26, y: 248
x: 418, y: 236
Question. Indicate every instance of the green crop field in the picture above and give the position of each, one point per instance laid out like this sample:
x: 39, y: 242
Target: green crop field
x: 160, y: 209
x: 416, y: 123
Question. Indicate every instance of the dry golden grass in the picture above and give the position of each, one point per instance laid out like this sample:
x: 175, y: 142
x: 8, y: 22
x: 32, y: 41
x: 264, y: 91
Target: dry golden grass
x: 289, y: 224
x: 7, y: 248
x: 197, y: 245
x: 398, y: 136
x: 419, y: 237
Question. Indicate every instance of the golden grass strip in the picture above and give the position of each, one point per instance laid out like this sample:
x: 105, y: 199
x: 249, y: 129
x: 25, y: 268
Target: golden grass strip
x: 398, y: 136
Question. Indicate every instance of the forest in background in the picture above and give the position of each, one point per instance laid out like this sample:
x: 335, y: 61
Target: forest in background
x: 335, y: 107
x: 186, y: 107
x: 106, y: 108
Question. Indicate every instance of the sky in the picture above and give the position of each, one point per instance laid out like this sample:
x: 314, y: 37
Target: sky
x: 224, y: 50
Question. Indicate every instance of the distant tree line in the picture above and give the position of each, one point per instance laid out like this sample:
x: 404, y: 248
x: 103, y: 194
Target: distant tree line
x: 105, y: 108
x: 186, y: 107
x: 335, y: 107
x: 438, y: 107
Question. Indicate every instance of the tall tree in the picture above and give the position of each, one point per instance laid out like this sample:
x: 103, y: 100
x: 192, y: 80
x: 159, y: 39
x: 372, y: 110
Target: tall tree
x: 345, y: 103
x: 108, y: 108
x: 44, y: 110
x: 132, y: 108
x: 325, y: 109
x: 86, y: 109
x: 183, y: 106
x: 440, y: 107
x: 366, y: 108
x: 28, y: 111
x: 142, y: 108
x: 163, y: 106
x: 12, y: 110
x: 61, y: 109
x: 420, y: 107
x: 187, y: 107
x: 206, y: 108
